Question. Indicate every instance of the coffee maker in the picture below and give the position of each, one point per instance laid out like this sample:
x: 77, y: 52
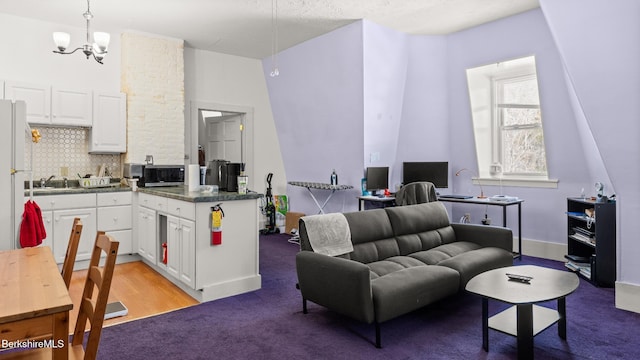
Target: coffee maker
x: 229, y: 177
x: 214, y: 172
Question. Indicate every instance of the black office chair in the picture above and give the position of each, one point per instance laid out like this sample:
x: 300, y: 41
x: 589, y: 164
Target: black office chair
x: 416, y: 193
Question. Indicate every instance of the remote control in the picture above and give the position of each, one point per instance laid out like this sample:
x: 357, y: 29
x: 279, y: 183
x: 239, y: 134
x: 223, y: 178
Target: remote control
x: 520, y: 278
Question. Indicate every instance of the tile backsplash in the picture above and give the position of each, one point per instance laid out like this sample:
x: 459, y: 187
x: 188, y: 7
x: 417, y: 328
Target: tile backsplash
x: 66, y: 147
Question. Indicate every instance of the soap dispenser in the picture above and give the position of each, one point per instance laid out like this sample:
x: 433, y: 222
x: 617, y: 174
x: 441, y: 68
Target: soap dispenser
x: 334, y: 178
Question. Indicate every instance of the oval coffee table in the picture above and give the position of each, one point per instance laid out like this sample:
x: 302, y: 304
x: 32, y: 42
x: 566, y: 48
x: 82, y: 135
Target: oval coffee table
x: 524, y: 320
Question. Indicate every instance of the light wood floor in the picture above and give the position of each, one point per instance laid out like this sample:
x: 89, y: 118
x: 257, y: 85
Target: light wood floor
x: 142, y: 290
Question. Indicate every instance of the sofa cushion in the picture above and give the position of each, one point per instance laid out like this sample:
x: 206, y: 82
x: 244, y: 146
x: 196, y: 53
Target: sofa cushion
x: 444, y: 252
x: 414, y: 219
x: 409, y: 289
x: 474, y: 262
x: 389, y: 265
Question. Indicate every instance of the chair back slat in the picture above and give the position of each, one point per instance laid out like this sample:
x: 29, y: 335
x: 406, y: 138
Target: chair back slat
x: 72, y: 251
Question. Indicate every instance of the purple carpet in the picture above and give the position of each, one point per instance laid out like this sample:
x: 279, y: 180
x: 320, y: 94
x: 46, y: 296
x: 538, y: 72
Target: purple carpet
x: 269, y: 324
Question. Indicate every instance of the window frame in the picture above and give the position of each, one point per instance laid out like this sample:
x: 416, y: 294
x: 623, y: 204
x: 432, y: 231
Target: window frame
x: 498, y: 127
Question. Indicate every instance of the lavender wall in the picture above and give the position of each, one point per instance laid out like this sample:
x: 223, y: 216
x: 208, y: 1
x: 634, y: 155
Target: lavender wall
x: 317, y: 104
x: 518, y: 36
x: 385, y: 70
x: 424, y: 130
x: 336, y: 91
x: 601, y: 53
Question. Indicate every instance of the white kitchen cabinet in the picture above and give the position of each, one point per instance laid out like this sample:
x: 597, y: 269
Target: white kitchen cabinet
x: 181, y: 253
x: 37, y: 97
x: 109, y: 131
x: 58, y: 212
x: 146, y: 233
x: 115, y: 217
x: 71, y: 107
x: 52, y: 106
x: 62, y: 223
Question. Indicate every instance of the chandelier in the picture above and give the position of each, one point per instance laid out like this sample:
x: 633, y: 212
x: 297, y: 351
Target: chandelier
x: 96, y: 48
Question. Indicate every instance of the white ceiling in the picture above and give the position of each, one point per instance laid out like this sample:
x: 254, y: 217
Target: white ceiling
x: 244, y: 27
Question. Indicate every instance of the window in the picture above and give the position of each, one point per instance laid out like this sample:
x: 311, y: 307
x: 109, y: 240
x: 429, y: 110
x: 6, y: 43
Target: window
x: 507, y: 121
x: 519, y: 140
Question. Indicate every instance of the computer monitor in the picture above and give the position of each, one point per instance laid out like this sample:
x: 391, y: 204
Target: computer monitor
x: 377, y: 178
x: 436, y: 172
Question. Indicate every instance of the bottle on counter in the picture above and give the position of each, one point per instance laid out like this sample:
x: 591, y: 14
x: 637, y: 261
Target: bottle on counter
x: 334, y: 178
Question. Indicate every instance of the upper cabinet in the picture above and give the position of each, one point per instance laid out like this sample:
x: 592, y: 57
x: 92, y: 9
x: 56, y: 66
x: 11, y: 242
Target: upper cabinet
x: 71, y: 107
x: 37, y: 97
x: 52, y: 106
x: 109, y: 131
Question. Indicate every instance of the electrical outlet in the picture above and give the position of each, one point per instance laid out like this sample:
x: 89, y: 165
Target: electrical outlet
x: 64, y: 171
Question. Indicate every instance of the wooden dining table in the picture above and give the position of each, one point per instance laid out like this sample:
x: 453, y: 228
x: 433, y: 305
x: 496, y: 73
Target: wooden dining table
x: 33, y: 301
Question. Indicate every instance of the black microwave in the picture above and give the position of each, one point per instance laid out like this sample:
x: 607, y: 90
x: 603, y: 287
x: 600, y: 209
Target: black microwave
x: 163, y: 175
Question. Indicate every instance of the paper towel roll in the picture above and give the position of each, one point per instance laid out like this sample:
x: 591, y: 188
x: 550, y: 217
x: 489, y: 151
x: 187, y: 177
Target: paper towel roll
x: 194, y: 177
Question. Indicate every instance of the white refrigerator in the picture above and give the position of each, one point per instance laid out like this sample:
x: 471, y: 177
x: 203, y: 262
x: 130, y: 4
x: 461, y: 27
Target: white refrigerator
x: 12, y: 171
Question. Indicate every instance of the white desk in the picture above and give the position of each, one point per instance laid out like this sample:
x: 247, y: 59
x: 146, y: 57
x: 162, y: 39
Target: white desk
x: 320, y: 186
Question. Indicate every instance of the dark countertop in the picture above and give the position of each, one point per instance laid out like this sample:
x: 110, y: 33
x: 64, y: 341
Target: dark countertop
x: 182, y: 193
x: 76, y: 190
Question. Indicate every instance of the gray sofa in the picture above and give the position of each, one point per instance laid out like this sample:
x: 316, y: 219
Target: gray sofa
x: 403, y: 258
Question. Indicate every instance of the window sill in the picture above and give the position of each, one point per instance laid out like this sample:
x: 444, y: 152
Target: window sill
x: 518, y: 182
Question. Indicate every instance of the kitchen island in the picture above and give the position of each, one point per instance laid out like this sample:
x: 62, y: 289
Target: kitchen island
x: 174, y: 236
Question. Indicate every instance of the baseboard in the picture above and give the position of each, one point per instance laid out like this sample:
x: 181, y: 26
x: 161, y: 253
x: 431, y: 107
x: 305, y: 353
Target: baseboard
x: 627, y: 296
x: 542, y: 249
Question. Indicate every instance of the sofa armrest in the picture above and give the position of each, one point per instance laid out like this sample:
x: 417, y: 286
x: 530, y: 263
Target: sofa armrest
x: 484, y: 235
x: 339, y: 284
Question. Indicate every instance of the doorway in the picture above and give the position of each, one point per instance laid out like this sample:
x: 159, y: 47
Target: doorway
x: 222, y: 138
x: 224, y: 131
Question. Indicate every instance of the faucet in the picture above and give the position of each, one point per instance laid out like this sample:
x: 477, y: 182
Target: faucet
x: 66, y: 184
x: 43, y: 181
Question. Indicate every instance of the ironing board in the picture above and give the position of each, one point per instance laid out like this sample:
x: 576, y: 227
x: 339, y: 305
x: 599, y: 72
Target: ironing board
x: 320, y: 186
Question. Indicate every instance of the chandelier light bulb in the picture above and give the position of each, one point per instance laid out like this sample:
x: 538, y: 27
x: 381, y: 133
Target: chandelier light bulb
x: 62, y: 40
x: 101, y: 40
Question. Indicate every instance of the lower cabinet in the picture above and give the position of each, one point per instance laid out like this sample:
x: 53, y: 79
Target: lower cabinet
x: 62, y: 223
x: 181, y: 252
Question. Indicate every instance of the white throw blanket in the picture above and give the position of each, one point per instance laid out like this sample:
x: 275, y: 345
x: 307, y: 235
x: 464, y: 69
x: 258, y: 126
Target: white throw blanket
x: 329, y: 234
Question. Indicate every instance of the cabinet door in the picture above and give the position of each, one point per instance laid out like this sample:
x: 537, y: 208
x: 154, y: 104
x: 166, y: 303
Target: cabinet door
x: 71, y: 107
x: 109, y: 131
x: 173, y: 246
x: 147, y: 234
x: 37, y: 97
x: 124, y: 237
x: 62, y: 223
x: 188, y: 252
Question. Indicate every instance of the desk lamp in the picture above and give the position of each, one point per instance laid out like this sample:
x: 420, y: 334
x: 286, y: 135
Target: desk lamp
x: 481, y: 196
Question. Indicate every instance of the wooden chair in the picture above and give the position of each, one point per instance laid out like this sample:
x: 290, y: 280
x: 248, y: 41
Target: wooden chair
x: 72, y: 250
x: 92, y: 308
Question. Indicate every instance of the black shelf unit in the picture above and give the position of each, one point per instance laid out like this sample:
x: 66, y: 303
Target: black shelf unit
x: 591, y: 243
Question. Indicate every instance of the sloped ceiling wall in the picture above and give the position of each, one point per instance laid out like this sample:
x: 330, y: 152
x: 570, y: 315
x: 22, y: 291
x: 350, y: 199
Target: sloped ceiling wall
x: 598, y: 42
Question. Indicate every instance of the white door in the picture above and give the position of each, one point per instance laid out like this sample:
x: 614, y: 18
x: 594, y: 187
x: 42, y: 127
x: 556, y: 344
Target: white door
x: 109, y: 131
x: 224, y: 138
x: 173, y: 246
x: 188, y: 252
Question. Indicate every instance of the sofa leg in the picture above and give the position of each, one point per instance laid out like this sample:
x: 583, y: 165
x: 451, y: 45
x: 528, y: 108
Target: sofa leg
x: 378, y: 341
x: 304, y: 305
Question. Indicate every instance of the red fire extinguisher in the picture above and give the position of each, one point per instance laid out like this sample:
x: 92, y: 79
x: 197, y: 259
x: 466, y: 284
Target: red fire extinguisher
x: 216, y: 224
x: 164, y: 253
